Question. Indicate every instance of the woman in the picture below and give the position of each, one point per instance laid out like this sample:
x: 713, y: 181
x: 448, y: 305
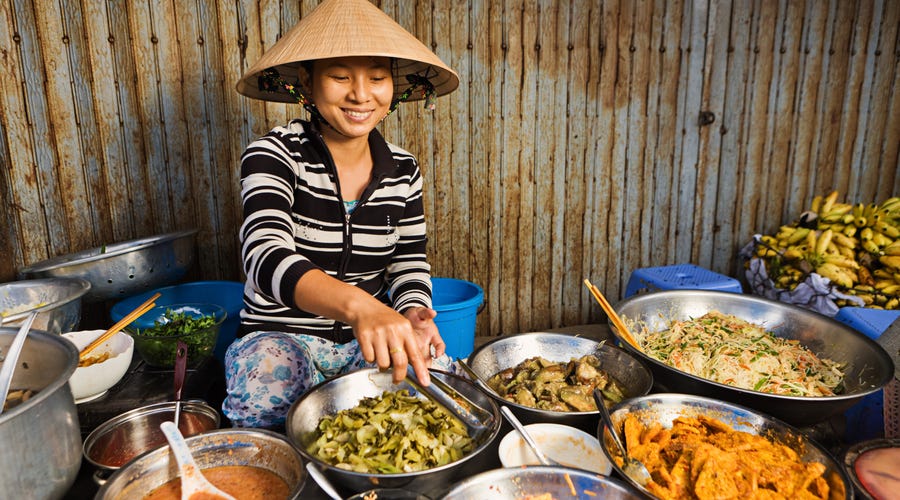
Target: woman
x: 333, y: 240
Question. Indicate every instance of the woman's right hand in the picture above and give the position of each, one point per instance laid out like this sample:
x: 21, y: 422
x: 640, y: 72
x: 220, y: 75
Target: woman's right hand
x: 387, y: 338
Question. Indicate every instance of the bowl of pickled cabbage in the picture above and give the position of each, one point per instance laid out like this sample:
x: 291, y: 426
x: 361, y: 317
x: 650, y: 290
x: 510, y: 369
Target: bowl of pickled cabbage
x: 550, y: 377
x: 784, y: 360
x: 363, y: 431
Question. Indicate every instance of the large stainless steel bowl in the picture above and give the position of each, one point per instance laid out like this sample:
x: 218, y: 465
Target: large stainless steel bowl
x: 507, y: 352
x: 41, y: 440
x: 867, y: 366
x: 223, y: 447
x: 524, y: 482
x: 346, y: 391
x: 56, y: 300
x: 122, y: 269
x: 664, y: 408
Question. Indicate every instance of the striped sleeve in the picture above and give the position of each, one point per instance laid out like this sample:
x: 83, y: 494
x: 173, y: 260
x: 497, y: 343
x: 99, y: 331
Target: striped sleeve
x: 268, y: 251
x: 409, y: 273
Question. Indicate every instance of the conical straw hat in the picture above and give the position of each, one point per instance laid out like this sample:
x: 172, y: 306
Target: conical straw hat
x: 339, y: 28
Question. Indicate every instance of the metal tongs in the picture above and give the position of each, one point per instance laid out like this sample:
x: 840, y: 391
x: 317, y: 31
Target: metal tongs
x: 476, y: 419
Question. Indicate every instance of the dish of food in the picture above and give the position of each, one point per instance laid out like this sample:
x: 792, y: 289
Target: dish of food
x: 557, y: 386
x: 243, y: 482
x: 15, y: 397
x: 703, y: 457
x: 876, y: 469
x: 729, y: 350
x: 392, y: 433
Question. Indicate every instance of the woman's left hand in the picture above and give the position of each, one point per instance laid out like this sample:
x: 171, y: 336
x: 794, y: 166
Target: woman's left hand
x: 427, y: 335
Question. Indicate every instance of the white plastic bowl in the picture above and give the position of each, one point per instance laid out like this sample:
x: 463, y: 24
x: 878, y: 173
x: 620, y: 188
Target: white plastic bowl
x: 91, y: 382
x: 567, y: 445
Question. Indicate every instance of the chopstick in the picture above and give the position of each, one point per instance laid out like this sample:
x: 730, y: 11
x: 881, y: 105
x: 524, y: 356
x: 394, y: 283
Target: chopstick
x: 617, y: 321
x: 127, y: 320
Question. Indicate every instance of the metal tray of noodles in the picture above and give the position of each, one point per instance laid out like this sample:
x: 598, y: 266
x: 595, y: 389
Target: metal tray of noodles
x: 867, y: 367
x: 123, y: 269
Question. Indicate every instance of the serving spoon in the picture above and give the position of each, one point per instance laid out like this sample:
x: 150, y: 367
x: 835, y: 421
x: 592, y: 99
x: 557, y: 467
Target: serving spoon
x: 12, y: 358
x: 543, y: 459
x: 632, y: 467
x: 193, y: 484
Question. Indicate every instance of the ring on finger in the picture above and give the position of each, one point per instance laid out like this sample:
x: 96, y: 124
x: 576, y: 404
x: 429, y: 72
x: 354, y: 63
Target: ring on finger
x: 393, y: 350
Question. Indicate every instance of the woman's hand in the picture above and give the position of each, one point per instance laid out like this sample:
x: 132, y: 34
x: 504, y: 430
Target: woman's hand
x: 385, y: 336
x: 422, y: 320
x: 391, y: 339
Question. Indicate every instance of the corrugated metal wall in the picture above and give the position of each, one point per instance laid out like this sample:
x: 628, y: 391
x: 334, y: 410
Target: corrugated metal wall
x: 573, y: 148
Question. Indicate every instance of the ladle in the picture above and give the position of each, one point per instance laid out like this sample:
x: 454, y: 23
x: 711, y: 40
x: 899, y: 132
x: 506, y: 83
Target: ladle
x: 180, y: 369
x: 12, y: 358
x: 322, y: 481
x: 476, y: 419
x: 193, y: 483
x: 543, y: 459
x: 633, y: 468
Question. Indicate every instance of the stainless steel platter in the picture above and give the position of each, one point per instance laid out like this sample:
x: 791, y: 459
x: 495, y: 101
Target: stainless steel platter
x: 345, y: 391
x: 867, y: 367
x: 663, y: 408
x: 507, y: 352
x: 531, y: 482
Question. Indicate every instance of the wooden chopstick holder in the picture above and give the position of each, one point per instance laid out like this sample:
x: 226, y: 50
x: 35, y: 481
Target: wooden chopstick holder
x: 122, y: 323
x: 611, y: 313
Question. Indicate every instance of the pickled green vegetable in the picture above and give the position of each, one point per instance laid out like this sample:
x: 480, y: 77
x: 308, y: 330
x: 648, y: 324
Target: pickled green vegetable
x: 390, y: 434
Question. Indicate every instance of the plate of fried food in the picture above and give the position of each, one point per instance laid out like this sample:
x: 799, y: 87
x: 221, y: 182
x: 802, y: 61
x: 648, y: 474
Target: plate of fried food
x: 697, y: 447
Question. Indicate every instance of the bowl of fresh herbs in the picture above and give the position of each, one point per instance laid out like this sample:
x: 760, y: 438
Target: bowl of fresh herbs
x: 157, y: 332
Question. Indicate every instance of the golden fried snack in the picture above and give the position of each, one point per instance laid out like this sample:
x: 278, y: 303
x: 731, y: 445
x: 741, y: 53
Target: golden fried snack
x: 704, y: 458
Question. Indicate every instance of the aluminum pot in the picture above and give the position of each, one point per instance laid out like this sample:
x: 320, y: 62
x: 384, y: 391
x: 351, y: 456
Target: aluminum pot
x: 346, y: 391
x: 867, y: 367
x: 41, y: 438
x: 222, y: 447
x: 507, y: 352
x: 120, y: 439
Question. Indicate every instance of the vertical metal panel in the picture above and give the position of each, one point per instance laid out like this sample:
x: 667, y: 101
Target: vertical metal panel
x: 572, y: 148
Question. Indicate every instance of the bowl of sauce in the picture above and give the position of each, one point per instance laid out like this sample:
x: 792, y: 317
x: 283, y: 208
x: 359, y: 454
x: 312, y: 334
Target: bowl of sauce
x: 249, y: 464
x: 118, y: 440
x: 872, y: 466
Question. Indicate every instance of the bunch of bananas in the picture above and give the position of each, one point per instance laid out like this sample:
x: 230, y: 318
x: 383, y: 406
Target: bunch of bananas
x: 855, y: 246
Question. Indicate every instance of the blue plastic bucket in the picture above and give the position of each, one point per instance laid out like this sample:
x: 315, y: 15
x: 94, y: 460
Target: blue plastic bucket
x: 457, y: 303
x: 227, y: 294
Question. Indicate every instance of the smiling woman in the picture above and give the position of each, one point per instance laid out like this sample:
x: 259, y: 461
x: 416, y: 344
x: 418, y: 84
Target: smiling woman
x: 334, y: 233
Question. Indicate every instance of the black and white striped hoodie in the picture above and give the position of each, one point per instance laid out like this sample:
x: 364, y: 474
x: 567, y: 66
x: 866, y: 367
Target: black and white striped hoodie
x: 295, y: 221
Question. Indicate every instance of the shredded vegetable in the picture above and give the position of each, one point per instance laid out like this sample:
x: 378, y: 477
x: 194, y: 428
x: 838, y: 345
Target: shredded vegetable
x: 393, y: 433
x: 726, y: 349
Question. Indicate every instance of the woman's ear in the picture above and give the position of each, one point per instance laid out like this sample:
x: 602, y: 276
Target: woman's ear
x: 304, y: 76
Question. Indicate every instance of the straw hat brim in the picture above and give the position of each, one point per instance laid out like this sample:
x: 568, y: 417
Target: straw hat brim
x: 343, y: 28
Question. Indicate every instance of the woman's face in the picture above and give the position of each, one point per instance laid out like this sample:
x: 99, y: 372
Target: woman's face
x: 352, y: 93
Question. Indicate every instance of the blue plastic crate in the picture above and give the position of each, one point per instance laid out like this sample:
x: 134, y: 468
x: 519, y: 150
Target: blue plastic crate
x: 865, y: 420
x: 679, y: 277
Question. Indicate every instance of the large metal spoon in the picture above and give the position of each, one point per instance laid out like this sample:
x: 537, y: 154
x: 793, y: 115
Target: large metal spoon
x: 192, y: 480
x: 633, y: 468
x: 322, y: 481
x: 12, y: 358
x: 543, y: 459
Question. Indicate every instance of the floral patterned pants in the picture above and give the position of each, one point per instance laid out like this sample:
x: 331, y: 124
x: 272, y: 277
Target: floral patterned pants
x: 265, y: 372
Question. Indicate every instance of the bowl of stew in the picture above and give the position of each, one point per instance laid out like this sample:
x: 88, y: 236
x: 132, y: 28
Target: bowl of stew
x: 246, y: 463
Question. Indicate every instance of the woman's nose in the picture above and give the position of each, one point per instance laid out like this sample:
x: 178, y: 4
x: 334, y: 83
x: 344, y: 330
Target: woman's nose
x: 358, y: 91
